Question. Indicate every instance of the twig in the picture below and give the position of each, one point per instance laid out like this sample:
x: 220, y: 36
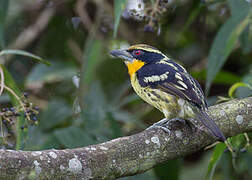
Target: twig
x: 19, y: 100
x: 2, y: 81
x: 86, y: 21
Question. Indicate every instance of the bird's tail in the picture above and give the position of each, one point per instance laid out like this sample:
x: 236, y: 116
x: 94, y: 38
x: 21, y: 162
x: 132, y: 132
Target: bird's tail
x: 210, y: 124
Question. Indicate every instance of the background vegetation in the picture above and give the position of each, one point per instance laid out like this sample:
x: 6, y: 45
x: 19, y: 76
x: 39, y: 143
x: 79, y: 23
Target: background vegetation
x: 211, y: 38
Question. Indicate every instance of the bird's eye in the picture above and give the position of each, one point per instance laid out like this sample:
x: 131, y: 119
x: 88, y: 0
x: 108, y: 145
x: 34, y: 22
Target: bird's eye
x: 137, y: 52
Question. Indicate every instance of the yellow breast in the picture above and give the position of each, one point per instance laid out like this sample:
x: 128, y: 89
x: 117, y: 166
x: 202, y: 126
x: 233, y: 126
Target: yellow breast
x: 164, y: 102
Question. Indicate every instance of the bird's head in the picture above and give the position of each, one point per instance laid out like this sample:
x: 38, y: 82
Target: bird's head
x: 138, y: 55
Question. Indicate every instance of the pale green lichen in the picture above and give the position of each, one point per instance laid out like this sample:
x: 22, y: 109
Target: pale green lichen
x: 155, y: 140
x: 38, y: 169
x: 239, y: 119
x: 222, y: 112
x: 53, y: 154
x: 103, y: 148
x: 147, y: 141
x: 36, y: 153
x: 62, y: 168
x: 178, y: 133
x: 74, y: 165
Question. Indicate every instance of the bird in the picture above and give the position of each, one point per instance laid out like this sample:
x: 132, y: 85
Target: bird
x: 166, y: 85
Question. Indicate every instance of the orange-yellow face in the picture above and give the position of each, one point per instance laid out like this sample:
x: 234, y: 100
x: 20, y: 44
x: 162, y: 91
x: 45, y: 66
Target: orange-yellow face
x: 133, y: 66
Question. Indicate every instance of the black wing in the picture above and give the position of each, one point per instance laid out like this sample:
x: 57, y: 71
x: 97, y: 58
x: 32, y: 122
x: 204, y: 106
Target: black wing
x: 172, y: 80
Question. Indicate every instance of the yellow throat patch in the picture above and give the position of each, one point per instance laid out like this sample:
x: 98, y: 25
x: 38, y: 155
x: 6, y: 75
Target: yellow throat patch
x: 134, y: 66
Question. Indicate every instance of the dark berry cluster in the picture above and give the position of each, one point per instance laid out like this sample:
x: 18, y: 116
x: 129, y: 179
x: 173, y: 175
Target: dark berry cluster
x: 31, y: 113
x: 28, y: 110
x: 9, y: 115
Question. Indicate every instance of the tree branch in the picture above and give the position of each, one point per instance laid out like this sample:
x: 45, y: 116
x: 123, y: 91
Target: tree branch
x: 127, y: 155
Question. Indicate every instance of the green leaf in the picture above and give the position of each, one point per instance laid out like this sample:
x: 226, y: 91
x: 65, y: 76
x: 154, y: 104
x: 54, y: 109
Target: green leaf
x: 194, y: 13
x: 51, y: 142
x: 36, y: 138
x: 4, y: 4
x: 246, y: 40
x: 94, y: 110
x: 128, y: 99
x: 91, y: 112
x: 73, y: 137
x: 237, y: 5
x: 218, y: 151
x: 58, y: 71
x: 226, y: 38
x: 233, y: 88
x: 119, y: 6
x: 243, y: 92
x: 57, y: 112
x: 92, y: 58
x: 238, y: 141
x: 23, y: 53
x: 223, y: 77
x: 124, y: 116
x: 9, y: 81
x: 21, y: 134
x: 114, y: 126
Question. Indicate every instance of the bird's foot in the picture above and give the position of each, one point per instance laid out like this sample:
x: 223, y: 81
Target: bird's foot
x: 168, y: 124
x: 211, y: 145
x: 244, y: 149
x: 160, y: 124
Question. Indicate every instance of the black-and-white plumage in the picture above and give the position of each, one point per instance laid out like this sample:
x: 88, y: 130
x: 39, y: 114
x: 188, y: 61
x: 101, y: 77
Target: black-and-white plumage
x: 166, y: 85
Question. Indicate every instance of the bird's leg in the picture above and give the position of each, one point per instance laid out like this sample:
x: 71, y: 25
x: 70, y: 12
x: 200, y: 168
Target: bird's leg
x: 168, y: 124
x: 232, y: 151
x: 230, y: 148
x: 247, y: 143
x: 211, y: 145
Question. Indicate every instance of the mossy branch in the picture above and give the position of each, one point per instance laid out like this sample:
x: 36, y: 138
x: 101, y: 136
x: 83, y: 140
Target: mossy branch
x: 125, y: 156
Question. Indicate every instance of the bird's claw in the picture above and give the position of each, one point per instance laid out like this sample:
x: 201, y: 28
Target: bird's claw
x: 244, y: 149
x: 160, y: 124
x: 167, y: 124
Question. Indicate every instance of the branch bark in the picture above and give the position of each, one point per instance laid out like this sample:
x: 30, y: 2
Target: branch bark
x: 125, y: 156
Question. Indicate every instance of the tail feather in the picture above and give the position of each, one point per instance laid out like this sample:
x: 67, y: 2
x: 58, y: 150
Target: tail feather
x: 210, y: 124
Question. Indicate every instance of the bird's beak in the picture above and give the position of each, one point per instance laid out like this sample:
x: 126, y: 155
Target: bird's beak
x: 123, y: 54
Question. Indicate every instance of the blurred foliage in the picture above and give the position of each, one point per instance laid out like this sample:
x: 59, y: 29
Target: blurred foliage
x: 218, y: 151
x: 84, y: 97
x: 119, y: 7
x: 227, y: 37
